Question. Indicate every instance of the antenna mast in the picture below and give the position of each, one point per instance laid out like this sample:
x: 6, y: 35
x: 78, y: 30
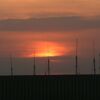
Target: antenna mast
x: 11, y: 65
x: 48, y: 60
x: 94, y: 64
x: 76, y: 58
x: 34, y: 66
x: 48, y: 65
x: 99, y: 63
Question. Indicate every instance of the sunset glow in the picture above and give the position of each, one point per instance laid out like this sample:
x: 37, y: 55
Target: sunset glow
x: 51, y: 49
x: 45, y: 29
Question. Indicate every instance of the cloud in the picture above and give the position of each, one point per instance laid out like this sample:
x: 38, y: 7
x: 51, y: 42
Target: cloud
x: 63, y: 24
x: 38, y: 8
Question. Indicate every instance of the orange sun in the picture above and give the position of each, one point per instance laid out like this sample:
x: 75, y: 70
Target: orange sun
x: 51, y: 49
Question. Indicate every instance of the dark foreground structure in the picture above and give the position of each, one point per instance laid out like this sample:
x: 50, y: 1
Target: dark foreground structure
x: 67, y: 87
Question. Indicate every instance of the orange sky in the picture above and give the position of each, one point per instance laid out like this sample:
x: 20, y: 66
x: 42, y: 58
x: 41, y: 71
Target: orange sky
x: 53, y: 35
x: 24, y: 45
x: 49, y: 48
x: 43, y: 8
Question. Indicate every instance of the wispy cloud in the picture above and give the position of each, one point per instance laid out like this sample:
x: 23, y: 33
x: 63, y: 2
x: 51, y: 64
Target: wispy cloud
x: 69, y: 23
x: 38, y: 8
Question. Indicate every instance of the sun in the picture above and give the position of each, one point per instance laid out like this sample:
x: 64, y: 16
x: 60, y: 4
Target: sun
x: 50, y: 53
x: 48, y: 49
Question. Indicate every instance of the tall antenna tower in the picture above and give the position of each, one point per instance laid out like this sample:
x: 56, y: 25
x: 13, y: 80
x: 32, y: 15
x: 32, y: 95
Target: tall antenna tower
x: 48, y: 65
x: 11, y: 65
x: 45, y: 73
x: 94, y: 61
x: 34, y: 65
x: 48, y: 60
x: 76, y: 58
x: 99, y: 63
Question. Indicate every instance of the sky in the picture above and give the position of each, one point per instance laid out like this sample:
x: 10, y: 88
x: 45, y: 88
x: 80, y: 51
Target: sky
x: 43, y: 28
x: 45, y: 8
